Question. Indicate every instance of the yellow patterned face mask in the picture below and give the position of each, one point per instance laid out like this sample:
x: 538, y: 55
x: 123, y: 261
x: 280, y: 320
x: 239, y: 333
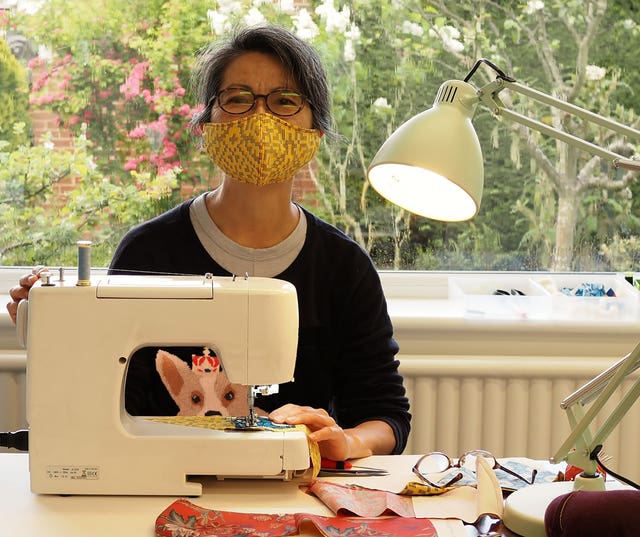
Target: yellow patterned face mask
x: 260, y: 149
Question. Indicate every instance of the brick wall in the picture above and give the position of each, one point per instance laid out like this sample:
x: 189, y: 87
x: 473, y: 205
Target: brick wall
x: 44, y: 122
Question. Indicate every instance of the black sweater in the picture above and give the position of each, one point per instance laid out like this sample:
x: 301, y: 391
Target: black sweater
x: 346, y: 352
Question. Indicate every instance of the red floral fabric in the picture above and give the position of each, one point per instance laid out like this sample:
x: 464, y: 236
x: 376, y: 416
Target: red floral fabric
x: 185, y: 519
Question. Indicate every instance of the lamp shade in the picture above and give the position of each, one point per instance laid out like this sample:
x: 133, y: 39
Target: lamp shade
x: 432, y: 164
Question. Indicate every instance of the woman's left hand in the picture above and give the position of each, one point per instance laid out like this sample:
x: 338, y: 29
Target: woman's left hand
x: 333, y: 440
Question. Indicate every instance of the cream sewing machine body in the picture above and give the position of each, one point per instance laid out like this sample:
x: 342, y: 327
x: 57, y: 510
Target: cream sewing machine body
x: 79, y: 342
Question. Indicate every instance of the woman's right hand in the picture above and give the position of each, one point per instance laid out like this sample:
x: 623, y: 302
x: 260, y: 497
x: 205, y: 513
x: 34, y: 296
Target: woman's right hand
x: 21, y: 291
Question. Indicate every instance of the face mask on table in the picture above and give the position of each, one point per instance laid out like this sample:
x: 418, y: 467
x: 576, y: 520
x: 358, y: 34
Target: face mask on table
x: 260, y: 149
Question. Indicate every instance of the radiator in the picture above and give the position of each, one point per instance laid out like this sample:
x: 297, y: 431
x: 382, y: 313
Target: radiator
x: 509, y: 405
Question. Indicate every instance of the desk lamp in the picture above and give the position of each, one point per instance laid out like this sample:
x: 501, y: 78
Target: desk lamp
x: 525, y: 509
x: 432, y: 166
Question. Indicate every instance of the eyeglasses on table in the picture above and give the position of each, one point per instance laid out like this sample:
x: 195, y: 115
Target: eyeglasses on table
x: 437, y: 462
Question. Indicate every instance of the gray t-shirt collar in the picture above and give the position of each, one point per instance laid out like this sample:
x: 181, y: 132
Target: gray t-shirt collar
x: 241, y: 260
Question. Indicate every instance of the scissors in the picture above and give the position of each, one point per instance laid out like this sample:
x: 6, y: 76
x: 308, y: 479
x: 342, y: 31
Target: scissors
x: 329, y: 468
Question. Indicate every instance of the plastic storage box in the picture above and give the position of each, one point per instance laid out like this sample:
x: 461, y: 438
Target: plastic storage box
x: 500, y: 296
x: 570, y: 297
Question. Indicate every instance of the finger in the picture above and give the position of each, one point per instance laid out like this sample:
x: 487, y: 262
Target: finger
x: 28, y: 280
x: 12, y: 308
x: 314, y: 420
x: 333, y: 432
x: 18, y: 293
x: 286, y: 412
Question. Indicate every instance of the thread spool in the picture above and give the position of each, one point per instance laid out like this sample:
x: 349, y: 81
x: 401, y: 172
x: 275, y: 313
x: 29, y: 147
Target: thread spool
x: 84, y: 263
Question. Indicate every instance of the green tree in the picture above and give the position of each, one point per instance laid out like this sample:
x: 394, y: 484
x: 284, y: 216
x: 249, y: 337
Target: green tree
x: 548, y: 46
x: 14, y: 101
x: 41, y: 224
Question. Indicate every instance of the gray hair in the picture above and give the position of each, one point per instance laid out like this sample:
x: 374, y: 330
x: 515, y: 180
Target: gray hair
x: 297, y: 57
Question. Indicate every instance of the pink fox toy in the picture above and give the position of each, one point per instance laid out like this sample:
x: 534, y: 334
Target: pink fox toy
x: 203, y: 389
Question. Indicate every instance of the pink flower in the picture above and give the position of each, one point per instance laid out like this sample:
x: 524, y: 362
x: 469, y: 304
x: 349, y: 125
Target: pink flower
x: 132, y: 86
x: 184, y: 110
x: 35, y: 62
x: 132, y: 163
x: 138, y: 132
x: 170, y: 150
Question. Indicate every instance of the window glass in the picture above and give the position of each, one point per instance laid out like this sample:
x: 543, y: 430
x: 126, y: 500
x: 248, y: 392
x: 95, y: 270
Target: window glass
x: 95, y: 104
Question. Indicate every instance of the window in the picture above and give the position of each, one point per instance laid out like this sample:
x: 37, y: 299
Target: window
x: 95, y: 105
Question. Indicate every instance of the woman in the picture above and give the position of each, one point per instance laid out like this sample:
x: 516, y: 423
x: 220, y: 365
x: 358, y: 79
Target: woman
x: 266, y: 107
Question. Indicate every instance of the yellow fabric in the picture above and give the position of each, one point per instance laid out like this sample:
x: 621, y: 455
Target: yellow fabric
x: 413, y: 488
x: 260, y: 149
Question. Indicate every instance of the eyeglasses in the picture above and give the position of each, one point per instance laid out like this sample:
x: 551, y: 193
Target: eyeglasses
x: 437, y: 462
x: 280, y: 102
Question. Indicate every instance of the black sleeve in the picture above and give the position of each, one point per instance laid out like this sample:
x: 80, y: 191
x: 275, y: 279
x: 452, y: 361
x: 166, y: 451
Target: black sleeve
x: 368, y: 360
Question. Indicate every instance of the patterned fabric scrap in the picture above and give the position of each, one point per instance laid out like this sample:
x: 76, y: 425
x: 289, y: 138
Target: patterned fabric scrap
x: 360, y: 501
x: 185, y: 519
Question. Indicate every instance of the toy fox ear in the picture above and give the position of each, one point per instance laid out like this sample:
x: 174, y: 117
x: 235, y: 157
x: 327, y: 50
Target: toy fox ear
x: 168, y: 366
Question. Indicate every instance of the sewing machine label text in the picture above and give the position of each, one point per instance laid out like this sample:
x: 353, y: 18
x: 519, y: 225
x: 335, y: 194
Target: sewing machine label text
x: 73, y: 472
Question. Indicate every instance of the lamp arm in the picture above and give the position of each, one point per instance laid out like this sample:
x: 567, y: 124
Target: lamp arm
x: 488, y: 95
x: 585, y: 394
x: 618, y: 413
x: 603, y: 386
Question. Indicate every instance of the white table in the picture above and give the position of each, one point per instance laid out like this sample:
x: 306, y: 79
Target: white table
x: 32, y: 515
x: 24, y: 514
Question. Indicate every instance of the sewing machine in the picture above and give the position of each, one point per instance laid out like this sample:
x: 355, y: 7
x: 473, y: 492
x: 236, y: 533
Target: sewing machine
x: 80, y: 337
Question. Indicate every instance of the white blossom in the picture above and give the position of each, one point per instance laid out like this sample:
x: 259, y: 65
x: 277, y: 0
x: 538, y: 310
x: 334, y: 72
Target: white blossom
x: 593, y: 72
x: 533, y: 6
x: 381, y: 103
x: 349, y: 53
x: 628, y: 24
x: 286, y: 6
x: 253, y: 17
x: 305, y: 28
x: 412, y: 28
x: 219, y: 22
x: 49, y: 146
x: 353, y: 33
x: 27, y: 6
x: 450, y: 38
x: 334, y: 20
x: 229, y: 7
x: 45, y: 53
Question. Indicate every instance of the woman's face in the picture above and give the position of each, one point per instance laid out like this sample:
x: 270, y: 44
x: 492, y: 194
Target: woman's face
x: 261, y: 73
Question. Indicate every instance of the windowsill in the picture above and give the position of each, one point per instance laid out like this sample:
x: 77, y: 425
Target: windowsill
x: 427, y: 321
